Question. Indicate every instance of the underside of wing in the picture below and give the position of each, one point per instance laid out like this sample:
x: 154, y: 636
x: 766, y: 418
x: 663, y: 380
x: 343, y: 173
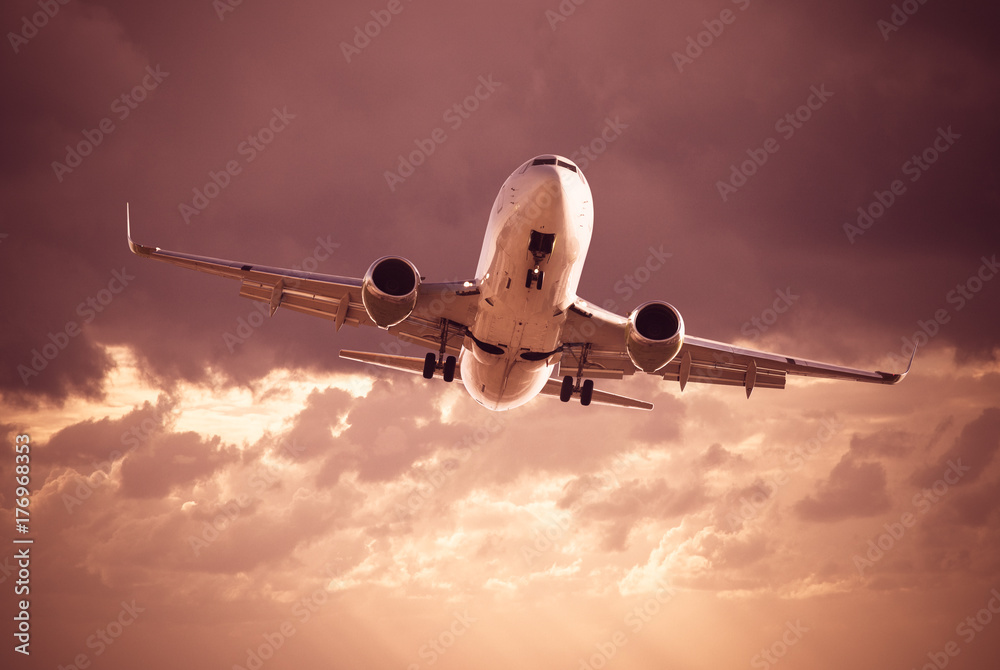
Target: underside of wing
x: 441, y: 310
x: 601, y: 353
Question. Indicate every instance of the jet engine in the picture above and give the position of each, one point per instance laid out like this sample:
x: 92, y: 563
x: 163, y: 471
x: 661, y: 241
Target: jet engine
x: 389, y: 290
x: 654, y: 335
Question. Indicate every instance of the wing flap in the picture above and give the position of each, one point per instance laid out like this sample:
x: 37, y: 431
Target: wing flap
x: 306, y: 303
x: 703, y: 372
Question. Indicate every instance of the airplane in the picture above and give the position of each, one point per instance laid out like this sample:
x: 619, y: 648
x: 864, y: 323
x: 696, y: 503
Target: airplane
x: 517, y: 329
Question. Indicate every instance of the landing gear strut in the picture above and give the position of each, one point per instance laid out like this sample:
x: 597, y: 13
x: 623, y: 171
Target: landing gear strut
x: 569, y: 385
x: 433, y: 362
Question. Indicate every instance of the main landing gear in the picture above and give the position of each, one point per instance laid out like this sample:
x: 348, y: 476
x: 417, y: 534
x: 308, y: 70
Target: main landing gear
x: 447, y: 368
x: 568, y: 387
x: 571, y: 386
x: 446, y: 364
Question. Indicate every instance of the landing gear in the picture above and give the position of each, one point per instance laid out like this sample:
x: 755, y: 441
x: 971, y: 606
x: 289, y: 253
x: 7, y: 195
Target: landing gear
x: 566, y: 391
x: 432, y: 362
x: 447, y: 368
x: 534, y: 277
x: 571, y: 386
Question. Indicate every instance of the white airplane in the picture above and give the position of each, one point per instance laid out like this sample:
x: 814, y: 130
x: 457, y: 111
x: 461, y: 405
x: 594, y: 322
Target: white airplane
x: 507, y: 331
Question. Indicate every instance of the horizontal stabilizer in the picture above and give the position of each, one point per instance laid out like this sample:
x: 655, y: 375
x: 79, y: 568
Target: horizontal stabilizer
x: 553, y: 386
x: 404, y: 363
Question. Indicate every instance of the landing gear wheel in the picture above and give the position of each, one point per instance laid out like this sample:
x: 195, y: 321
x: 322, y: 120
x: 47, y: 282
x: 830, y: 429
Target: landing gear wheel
x: 566, y: 391
x: 449, y: 369
x: 529, y: 280
x: 587, y: 392
x: 538, y: 283
x: 430, y: 363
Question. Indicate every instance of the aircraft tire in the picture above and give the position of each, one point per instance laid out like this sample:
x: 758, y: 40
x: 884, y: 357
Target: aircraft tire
x: 449, y: 369
x: 566, y: 391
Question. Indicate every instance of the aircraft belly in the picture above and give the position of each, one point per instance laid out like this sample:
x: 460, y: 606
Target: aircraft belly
x: 508, y: 383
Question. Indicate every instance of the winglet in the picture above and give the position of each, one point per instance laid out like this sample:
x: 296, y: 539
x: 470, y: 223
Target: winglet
x: 891, y: 378
x: 135, y: 247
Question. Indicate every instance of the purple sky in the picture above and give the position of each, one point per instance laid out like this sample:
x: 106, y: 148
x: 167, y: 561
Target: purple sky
x: 404, y: 506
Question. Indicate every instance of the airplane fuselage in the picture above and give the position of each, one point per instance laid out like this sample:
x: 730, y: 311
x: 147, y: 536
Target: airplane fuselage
x: 536, y: 242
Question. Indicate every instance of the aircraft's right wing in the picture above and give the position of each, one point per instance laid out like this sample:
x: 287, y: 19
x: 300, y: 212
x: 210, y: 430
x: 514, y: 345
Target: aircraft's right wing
x: 332, y: 297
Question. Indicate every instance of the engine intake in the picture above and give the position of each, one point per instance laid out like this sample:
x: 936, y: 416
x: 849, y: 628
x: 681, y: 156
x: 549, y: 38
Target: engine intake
x: 389, y: 290
x: 654, y: 335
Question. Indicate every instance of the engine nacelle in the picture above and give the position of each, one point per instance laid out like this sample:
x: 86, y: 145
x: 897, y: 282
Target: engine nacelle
x: 389, y: 290
x: 654, y: 335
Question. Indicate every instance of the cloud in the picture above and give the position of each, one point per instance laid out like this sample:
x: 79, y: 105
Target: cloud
x: 975, y: 448
x: 853, y: 490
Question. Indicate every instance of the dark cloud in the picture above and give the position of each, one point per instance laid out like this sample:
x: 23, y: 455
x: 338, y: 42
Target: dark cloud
x: 173, y: 460
x: 891, y: 443
x: 975, y: 449
x: 854, y: 489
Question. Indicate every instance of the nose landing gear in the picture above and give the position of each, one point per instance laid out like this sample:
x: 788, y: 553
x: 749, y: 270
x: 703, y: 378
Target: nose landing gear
x: 534, y: 277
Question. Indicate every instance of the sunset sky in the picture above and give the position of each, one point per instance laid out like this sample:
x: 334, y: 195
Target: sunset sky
x: 211, y: 489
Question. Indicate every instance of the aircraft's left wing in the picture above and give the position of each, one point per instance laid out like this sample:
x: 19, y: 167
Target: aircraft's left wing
x: 331, y: 297
x: 700, y: 360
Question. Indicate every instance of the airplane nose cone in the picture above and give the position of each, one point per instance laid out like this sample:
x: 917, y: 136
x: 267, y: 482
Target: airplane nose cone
x: 545, y: 200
